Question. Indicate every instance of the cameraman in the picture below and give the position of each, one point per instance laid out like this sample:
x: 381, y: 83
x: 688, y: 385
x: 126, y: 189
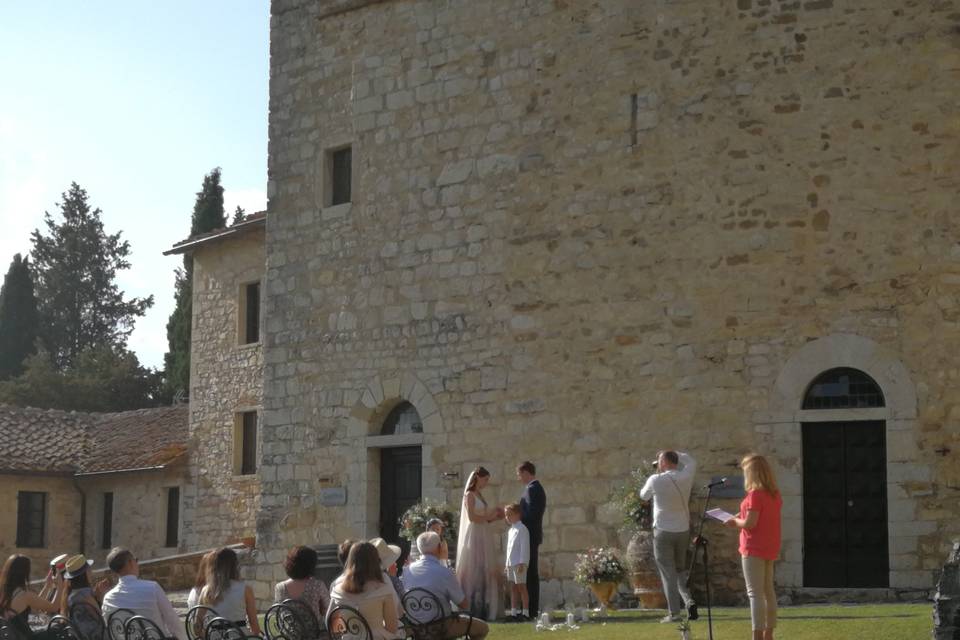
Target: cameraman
x: 670, y: 491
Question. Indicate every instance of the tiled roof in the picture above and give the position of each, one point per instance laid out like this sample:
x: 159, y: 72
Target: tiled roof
x: 249, y: 223
x: 49, y: 441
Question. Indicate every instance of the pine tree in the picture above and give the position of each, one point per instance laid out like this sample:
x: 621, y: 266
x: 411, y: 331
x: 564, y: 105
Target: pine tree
x: 75, y: 265
x: 18, y: 318
x: 208, y: 215
x: 238, y: 215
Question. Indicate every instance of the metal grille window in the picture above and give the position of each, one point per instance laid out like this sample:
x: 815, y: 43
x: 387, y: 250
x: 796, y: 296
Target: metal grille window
x: 173, y: 516
x: 340, y: 175
x: 843, y: 388
x: 31, y: 518
x: 402, y: 419
x: 107, y: 529
x: 248, y: 456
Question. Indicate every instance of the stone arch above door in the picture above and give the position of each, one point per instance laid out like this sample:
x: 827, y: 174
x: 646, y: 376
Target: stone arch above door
x: 844, y: 350
x: 382, y: 394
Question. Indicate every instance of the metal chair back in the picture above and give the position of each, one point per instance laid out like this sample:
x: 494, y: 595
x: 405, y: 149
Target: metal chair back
x: 62, y: 629
x: 291, y: 620
x: 142, y: 628
x: 196, y: 621
x: 115, y: 622
x: 223, y: 629
x: 424, y: 615
x: 88, y: 621
x: 346, y: 623
x: 7, y: 632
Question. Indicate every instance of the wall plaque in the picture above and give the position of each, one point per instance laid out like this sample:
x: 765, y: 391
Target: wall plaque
x: 333, y: 497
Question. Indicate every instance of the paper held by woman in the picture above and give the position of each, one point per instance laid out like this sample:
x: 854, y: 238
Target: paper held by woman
x: 720, y: 514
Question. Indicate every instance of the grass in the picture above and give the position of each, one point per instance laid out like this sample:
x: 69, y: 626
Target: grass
x: 812, y: 622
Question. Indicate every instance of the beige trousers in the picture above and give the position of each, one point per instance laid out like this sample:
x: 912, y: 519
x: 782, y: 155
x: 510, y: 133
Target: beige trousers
x: 758, y: 574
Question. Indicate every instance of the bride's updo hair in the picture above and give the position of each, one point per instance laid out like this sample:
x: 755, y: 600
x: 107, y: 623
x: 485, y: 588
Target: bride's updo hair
x: 478, y: 473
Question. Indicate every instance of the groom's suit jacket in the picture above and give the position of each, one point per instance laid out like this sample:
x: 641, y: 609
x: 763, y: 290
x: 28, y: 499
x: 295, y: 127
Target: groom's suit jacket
x: 533, y: 503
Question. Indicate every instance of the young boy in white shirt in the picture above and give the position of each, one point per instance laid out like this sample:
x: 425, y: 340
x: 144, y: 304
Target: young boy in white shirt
x: 518, y: 558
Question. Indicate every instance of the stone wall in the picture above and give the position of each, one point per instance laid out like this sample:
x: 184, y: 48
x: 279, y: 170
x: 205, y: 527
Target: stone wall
x: 581, y: 232
x: 226, y: 378
x: 62, y: 518
x: 139, y: 512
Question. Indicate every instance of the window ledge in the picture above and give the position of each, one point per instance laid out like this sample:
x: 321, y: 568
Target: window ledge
x: 249, y: 345
x: 246, y: 477
x: 335, y: 211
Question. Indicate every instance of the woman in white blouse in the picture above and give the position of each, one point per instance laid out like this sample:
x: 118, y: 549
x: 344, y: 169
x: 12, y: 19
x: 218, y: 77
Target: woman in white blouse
x: 227, y: 594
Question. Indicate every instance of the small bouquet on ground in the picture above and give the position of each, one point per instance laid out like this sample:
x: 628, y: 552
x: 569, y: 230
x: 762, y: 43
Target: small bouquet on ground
x: 414, y: 520
x: 599, y: 565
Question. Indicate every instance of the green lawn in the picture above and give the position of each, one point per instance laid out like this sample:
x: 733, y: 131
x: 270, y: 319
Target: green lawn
x: 813, y: 622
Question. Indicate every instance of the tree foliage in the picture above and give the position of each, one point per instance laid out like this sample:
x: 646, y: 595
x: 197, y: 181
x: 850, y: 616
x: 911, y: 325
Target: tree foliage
x: 18, y: 318
x: 208, y: 214
x: 102, y: 379
x: 75, y: 264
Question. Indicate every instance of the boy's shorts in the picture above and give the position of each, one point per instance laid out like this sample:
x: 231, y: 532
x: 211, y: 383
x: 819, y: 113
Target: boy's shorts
x: 517, y: 574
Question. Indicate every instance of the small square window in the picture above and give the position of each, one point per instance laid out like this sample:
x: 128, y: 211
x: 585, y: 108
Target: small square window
x: 340, y: 175
x: 245, y: 444
x: 249, y: 328
x: 31, y: 519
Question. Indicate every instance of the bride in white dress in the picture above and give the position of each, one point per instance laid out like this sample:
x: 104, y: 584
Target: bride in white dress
x: 478, y: 568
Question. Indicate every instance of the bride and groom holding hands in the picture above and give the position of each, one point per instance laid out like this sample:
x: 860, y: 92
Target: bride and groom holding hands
x: 479, y: 568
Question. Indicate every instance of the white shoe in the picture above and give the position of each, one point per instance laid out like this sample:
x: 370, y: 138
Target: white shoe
x: 667, y: 619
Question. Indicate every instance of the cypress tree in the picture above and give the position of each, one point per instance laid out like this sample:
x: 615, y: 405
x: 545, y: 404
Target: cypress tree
x: 208, y: 214
x: 18, y: 318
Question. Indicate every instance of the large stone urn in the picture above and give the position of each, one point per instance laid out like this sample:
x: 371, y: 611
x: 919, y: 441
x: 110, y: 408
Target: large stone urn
x: 604, y: 592
x: 644, y: 577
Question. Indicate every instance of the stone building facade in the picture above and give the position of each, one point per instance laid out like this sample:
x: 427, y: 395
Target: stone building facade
x: 580, y: 232
x: 226, y: 383
x: 82, y: 483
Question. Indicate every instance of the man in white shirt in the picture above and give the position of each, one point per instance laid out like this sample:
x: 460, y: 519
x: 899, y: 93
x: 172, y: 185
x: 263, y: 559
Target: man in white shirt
x: 144, y: 597
x: 670, y: 491
x: 430, y: 573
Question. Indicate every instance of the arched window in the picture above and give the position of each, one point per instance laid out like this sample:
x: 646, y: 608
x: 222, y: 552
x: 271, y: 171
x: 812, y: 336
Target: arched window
x: 843, y: 388
x: 402, y: 419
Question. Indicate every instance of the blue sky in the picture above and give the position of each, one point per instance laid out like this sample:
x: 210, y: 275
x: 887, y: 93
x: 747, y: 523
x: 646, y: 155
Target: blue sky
x: 135, y: 101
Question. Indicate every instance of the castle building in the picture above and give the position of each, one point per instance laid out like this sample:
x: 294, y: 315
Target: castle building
x: 577, y: 233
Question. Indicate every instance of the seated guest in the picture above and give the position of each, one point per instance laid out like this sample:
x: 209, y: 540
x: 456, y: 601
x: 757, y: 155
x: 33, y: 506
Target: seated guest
x: 227, y: 594
x: 343, y: 552
x: 362, y: 587
x: 433, y: 524
x: 193, y: 599
x: 17, y: 601
x: 389, y: 554
x: 430, y: 573
x: 300, y: 566
x: 144, y: 597
x: 80, y: 592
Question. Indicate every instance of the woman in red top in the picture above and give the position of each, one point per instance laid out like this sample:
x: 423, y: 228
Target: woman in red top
x: 759, y: 525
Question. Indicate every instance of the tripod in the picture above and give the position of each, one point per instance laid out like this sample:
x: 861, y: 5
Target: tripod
x: 701, y: 544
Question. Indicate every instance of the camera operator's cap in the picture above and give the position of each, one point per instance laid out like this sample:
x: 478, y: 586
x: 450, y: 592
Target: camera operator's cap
x: 433, y: 521
x: 76, y: 565
x: 389, y: 553
x: 59, y: 560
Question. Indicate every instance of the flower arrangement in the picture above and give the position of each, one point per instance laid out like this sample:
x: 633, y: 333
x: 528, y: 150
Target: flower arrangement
x: 413, y: 522
x: 637, y: 513
x: 599, y: 565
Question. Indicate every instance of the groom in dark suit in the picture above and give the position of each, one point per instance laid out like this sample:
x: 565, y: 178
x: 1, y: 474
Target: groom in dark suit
x: 533, y: 503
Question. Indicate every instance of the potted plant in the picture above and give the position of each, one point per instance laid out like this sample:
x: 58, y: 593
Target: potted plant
x: 602, y: 571
x: 638, y: 521
x: 413, y: 522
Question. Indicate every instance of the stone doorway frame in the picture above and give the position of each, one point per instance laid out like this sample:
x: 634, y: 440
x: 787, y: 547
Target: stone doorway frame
x: 778, y: 433
x: 379, y: 397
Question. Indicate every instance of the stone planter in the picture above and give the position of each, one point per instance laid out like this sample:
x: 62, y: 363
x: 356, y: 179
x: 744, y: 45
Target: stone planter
x: 644, y: 577
x: 604, y: 592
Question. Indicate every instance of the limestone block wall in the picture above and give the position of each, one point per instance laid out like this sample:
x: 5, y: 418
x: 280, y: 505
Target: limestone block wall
x: 226, y: 378
x: 139, y: 512
x: 581, y: 232
x: 62, y: 518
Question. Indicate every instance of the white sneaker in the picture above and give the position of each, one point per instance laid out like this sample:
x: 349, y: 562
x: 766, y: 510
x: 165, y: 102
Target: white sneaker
x: 667, y: 619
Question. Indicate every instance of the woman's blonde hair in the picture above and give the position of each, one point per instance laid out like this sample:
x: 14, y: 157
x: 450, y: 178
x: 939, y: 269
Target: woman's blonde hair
x: 758, y: 474
x: 223, y: 569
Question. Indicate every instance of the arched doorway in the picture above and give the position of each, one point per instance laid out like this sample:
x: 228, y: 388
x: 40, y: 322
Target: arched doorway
x: 400, y: 472
x: 845, y: 536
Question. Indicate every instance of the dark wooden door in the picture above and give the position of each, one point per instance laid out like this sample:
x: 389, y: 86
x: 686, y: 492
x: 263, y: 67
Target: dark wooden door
x: 399, y: 490
x: 845, y: 504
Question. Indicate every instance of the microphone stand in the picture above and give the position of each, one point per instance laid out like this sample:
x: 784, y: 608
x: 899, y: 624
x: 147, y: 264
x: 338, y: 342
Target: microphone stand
x: 701, y: 543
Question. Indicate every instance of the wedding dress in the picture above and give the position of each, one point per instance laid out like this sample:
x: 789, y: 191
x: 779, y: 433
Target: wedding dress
x: 478, y: 567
